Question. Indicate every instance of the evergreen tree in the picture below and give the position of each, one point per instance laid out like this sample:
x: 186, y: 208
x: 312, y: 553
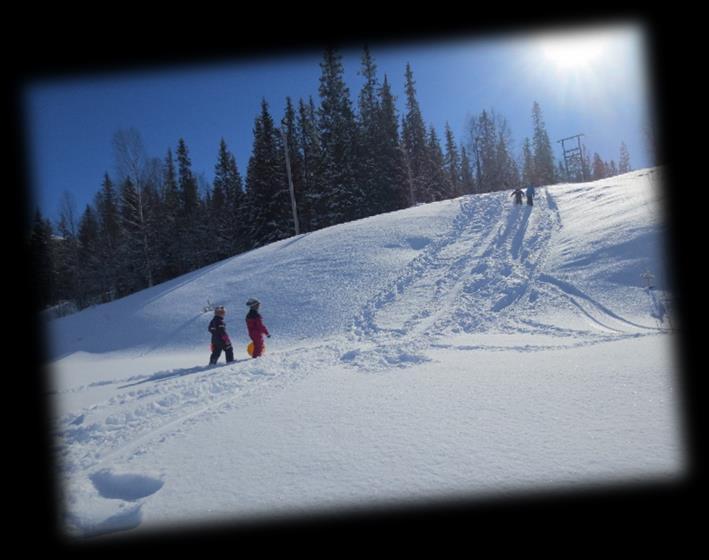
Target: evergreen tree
x: 187, y: 183
x: 236, y: 203
x: 466, y: 173
x: 585, y: 164
x: 392, y: 185
x: 370, y: 139
x: 490, y: 144
x: 598, y: 168
x: 221, y: 229
x: 169, y: 230
x: 66, y: 253
x: 624, y: 161
x: 483, y: 143
x: 436, y: 180
x: 109, y: 236
x: 452, y: 163
x: 307, y: 197
x: 343, y: 197
x: 414, y: 141
x: 295, y: 159
x: 527, y: 163
x: 134, y: 253
x: 268, y: 199
x: 612, y: 169
x: 192, y: 224
x: 89, y: 273
x: 42, y: 261
x: 544, y: 168
x: 505, y: 166
x: 136, y: 172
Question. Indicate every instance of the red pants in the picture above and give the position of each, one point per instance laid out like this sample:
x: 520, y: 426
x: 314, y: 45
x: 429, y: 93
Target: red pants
x: 258, y: 347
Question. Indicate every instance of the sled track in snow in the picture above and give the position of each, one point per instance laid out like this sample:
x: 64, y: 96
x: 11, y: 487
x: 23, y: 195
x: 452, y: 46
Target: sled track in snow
x: 155, y: 408
x: 468, y: 279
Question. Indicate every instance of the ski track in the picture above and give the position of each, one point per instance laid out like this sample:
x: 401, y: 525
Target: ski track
x: 475, y: 279
x: 157, y: 408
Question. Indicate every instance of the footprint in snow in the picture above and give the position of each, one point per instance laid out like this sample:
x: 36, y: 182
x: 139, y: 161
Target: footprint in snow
x: 125, y: 486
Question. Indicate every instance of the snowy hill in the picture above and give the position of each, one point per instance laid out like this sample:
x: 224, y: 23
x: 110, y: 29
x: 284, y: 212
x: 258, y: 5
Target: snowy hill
x: 465, y: 347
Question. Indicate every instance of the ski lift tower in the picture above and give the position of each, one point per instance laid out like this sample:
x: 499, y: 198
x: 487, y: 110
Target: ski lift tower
x: 573, y: 157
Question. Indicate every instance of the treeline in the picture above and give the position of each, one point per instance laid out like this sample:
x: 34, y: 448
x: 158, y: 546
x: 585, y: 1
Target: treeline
x: 156, y: 219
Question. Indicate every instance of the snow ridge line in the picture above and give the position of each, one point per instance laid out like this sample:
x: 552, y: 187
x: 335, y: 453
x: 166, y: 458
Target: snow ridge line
x: 570, y: 291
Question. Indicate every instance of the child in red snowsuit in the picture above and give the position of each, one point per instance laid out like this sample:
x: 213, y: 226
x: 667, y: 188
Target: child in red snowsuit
x: 256, y: 328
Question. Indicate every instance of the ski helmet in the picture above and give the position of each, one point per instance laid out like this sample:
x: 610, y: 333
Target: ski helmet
x: 253, y: 302
x: 219, y: 310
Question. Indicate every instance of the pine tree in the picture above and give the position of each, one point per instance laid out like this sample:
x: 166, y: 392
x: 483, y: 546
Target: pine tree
x: 507, y: 173
x: 466, y: 173
x: 307, y: 197
x: 490, y: 143
x: 192, y: 224
x: 368, y: 174
x: 483, y: 143
x: 452, y: 163
x: 612, y: 169
x: 414, y: 141
x: 236, y: 203
x: 109, y: 236
x: 544, y: 168
x: 136, y: 175
x: 268, y: 199
x: 436, y: 180
x: 585, y: 164
x: 187, y: 183
x: 295, y: 159
x: 225, y: 201
x: 527, y: 163
x: 134, y: 253
x: 169, y: 230
x: 598, y: 168
x: 393, y: 191
x: 624, y: 161
x: 342, y: 197
x: 42, y: 260
x: 66, y: 253
x: 89, y: 273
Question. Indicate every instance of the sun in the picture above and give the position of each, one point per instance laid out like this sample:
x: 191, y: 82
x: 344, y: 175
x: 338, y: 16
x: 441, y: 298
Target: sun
x: 573, y: 51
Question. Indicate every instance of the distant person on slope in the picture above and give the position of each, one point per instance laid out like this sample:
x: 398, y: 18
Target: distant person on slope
x: 530, y: 195
x: 220, y: 338
x: 255, y: 326
x: 517, y: 193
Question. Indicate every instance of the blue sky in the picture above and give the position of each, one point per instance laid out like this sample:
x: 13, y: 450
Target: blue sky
x: 599, y: 90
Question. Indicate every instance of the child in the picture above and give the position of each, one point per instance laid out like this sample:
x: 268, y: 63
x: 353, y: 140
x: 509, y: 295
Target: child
x: 255, y: 326
x: 220, y: 338
x: 517, y: 193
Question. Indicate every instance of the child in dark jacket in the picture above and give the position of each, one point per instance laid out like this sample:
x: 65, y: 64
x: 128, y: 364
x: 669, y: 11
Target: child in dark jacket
x: 255, y: 326
x: 220, y: 338
x: 517, y: 193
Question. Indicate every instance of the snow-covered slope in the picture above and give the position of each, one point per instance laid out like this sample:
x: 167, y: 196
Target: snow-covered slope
x: 457, y: 347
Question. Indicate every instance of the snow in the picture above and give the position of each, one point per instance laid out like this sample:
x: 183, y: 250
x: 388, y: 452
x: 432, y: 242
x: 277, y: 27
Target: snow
x: 462, y: 348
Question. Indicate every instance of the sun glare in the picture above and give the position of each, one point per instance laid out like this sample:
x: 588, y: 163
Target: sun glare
x: 569, y: 52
